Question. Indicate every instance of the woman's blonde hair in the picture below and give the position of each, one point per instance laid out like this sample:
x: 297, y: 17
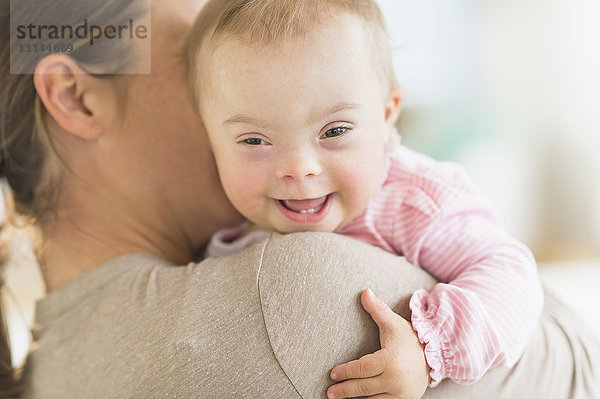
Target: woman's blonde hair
x: 271, y: 22
x: 27, y: 151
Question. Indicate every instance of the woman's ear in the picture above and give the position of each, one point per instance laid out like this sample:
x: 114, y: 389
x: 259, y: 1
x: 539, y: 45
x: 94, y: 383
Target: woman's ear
x: 72, y: 97
x: 392, y: 106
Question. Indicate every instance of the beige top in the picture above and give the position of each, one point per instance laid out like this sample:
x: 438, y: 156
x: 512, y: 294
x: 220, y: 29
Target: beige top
x: 269, y: 322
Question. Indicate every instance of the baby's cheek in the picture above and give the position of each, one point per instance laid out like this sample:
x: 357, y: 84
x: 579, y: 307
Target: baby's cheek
x: 360, y: 181
x: 244, y: 188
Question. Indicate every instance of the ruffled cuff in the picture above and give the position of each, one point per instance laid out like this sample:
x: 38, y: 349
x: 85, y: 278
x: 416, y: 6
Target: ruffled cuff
x: 428, y: 335
x: 231, y: 240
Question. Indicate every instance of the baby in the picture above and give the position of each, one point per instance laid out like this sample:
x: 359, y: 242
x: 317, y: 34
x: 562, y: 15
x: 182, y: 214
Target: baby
x: 299, y: 101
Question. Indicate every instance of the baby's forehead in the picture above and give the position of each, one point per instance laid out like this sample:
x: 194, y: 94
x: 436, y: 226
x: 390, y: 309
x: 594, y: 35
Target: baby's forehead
x: 319, y: 47
x: 276, y: 32
x: 269, y: 78
x: 258, y: 38
x: 246, y: 35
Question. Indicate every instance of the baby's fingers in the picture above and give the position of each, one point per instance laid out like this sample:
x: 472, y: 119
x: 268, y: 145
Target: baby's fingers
x: 370, y: 365
x: 356, y: 388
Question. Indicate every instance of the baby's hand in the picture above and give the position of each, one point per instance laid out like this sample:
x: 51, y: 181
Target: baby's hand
x: 397, y: 370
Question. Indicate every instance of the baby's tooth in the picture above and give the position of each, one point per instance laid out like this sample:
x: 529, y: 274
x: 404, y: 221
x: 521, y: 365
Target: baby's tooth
x: 305, y: 211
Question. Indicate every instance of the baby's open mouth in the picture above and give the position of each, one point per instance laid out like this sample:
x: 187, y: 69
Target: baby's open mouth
x: 305, y: 206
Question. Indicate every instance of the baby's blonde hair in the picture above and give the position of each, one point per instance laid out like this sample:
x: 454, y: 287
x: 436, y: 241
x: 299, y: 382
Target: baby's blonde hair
x: 270, y: 22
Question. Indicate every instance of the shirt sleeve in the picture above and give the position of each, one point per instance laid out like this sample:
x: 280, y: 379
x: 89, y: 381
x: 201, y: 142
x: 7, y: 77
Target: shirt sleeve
x: 231, y: 240
x: 488, y: 305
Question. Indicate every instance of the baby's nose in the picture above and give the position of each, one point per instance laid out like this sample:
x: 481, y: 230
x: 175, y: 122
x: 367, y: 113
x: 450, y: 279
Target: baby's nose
x: 298, y: 166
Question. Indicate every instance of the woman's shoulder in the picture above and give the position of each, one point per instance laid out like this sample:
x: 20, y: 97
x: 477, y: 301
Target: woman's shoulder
x: 140, y: 279
x: 154, y: 329
x: 151, y: 328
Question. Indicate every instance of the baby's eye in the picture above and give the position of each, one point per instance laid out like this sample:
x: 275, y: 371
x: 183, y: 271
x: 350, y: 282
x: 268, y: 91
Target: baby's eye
x: 255, y: 141
x: 334, y: 132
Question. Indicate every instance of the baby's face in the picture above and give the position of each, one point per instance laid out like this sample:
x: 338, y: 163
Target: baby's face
x: 299, y: 130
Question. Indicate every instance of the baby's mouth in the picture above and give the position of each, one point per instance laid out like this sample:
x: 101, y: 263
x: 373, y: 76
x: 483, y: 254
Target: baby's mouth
x: 305, y: 206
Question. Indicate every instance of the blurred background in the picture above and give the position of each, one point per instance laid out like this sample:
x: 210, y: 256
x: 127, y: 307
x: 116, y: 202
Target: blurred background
x: 509, y: 89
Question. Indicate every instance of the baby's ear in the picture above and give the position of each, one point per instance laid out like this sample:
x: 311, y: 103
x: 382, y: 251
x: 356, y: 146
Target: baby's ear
x: 392, y: 106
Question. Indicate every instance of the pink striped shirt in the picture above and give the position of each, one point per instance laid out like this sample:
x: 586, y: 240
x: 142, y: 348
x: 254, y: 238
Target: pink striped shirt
x: 485, y: 310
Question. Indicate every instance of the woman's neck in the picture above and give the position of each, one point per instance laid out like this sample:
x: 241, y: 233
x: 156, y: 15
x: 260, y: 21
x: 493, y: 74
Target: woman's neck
x: 66, y: 256
x: 73, y: 245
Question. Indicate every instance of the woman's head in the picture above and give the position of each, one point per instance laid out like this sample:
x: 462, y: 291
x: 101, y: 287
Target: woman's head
x: 128, y: 140
x: 27, y: 150
x: 298, y: 99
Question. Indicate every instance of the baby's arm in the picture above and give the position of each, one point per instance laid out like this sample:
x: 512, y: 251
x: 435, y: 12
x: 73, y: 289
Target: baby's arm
x: 485, y: 314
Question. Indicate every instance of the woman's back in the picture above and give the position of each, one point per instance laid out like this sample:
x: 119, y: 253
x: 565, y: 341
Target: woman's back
x: 268, y: 322
x: 138, y: 326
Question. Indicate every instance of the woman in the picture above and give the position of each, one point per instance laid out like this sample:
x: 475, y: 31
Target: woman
x: 118, y: 178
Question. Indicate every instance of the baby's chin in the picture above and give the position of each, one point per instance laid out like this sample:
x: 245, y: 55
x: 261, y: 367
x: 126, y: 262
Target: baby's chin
x: 285, y: 228
x: 299, y: 229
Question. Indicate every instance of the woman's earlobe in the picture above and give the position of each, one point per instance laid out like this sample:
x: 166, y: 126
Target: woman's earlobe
x: 63, y: 88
